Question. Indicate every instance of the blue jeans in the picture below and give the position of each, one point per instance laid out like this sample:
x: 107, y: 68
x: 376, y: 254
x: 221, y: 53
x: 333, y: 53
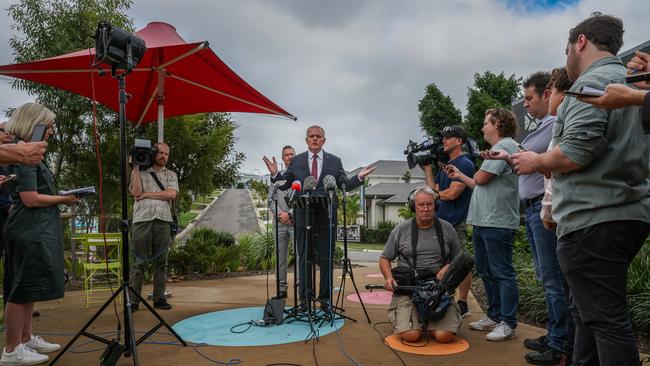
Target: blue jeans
x: 547, y: 270
x: 493, y: 253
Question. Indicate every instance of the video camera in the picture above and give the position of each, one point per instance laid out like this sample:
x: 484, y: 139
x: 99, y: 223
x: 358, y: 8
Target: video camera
x: 142, y: 154
x: 432, y: 297
x: 434, y: 152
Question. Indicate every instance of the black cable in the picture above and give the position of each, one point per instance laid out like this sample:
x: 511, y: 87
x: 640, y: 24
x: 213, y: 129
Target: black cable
x: 249, y: 323
x: 343, y: 349
x: 232, y: 361
x: 382, y: 338
x: 313, y: 351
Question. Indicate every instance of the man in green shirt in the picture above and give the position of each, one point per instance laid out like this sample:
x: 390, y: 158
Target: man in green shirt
x: 601, y: 196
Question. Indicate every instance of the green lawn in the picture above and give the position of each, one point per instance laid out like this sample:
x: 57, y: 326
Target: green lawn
x: 197, y: 206
x: 362, y: 246
x: 186, y: 217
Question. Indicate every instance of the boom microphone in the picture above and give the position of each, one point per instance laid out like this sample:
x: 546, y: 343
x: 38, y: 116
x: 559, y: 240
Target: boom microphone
x: 310, y: 183
x: 330, y: 184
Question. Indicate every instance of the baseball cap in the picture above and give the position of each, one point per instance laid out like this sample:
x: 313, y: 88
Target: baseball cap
x: 455, y: 131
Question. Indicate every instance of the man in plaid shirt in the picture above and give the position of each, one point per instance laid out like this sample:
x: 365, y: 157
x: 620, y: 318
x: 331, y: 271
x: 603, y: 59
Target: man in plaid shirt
x: 152, y: 219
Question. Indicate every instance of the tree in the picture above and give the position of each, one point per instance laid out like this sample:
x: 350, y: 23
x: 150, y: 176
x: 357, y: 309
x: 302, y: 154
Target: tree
x: 352, y: 208
x: 261, y: 189
x: 437, y: 111
x: 490, y: 91
x: 201, y: 152
x: 405, y: 213
x: 47, y: 28
x: 407, y: 177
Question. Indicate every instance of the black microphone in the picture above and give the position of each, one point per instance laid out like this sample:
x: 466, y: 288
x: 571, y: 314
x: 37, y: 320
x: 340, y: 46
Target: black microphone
x: 343, y: 182
x: 309, y: 184
x: 330, y: 185
x: 276, y: 185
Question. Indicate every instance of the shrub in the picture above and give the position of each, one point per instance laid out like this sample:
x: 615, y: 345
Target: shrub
x: 206, y: 251
x: 378, y: 235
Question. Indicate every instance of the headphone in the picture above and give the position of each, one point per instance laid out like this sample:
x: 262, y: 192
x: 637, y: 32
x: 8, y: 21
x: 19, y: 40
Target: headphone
x: 411, y: 198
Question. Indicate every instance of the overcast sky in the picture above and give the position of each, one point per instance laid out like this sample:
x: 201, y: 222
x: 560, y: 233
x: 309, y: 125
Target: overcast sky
x: 359, y: 68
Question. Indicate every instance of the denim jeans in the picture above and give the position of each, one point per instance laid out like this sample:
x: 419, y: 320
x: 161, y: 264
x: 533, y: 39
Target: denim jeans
x: 547, y: 270
x: 595, y: 261
x: 493, y: 254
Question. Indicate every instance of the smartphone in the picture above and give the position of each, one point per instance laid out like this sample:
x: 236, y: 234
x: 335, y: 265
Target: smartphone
x: 39, y: 133
x: 8, y: 178
x: 442, y: 166
x: 634, y: 78
x: 521, y: 148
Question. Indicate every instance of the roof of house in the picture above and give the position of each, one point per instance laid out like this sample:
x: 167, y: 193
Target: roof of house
x: 393, y: 168
x: 391, y: 192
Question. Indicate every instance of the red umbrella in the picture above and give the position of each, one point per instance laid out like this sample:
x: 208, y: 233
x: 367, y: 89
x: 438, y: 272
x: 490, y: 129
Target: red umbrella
x: 184, y: 77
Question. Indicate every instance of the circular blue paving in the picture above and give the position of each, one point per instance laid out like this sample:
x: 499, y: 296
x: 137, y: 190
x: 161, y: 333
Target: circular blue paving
x: 214, y: 329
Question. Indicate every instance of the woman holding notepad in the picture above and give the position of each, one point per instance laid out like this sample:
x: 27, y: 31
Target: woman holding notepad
x: 34, y: 241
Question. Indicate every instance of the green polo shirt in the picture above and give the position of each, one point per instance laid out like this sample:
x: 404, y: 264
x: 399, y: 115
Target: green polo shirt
x: 610, y: 146
x: 496, y: 204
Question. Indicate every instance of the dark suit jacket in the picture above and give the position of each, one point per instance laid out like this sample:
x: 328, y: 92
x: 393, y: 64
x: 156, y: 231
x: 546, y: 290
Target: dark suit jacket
x: 300, y: 168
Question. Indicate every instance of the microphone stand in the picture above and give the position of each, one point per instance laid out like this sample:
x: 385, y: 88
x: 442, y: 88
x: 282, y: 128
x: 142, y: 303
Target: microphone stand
x: 347, y: 264
x: 309, y: 253
x: 277, y: 244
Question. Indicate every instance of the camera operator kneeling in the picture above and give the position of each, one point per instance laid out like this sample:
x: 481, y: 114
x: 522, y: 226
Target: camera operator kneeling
x: 421, y: 259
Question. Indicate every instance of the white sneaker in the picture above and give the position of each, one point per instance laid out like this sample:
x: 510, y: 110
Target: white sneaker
x: 22, y: 356
x: 501, y: 332
x: 484, y: 324
x: 39, y: 345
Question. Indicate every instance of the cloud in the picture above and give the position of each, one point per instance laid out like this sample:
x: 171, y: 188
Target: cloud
x: 359, y: 68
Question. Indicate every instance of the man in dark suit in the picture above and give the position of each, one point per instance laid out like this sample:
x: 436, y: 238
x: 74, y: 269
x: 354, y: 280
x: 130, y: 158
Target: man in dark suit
x: 316, y: 163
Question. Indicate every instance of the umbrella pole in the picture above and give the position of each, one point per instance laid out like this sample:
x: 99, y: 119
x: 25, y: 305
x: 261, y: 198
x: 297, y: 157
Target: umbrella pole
x: 161, y: 107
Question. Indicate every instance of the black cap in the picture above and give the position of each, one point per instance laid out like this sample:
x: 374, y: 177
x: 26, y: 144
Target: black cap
x: 455, y: 131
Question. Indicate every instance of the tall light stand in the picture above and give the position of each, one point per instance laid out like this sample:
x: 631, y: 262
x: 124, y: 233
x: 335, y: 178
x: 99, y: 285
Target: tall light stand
x: 130, y: 343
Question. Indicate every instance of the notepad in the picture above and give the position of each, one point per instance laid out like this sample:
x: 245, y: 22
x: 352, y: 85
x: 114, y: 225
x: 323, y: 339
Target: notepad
x: 79, y: 192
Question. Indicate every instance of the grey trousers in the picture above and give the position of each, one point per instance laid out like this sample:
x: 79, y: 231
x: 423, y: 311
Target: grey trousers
x: 284, y: 233
x: 151, y: 241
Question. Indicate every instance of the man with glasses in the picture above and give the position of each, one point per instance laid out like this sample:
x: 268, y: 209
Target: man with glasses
x: 454, y: 196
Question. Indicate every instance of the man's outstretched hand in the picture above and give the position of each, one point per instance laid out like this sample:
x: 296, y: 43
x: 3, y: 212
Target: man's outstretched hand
x: 271, y: 165
x: 365, y: 172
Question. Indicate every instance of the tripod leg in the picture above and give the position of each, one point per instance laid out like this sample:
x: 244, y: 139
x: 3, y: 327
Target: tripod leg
x: 349, y: 266
x: 161, y: 322
x: 82, y: 331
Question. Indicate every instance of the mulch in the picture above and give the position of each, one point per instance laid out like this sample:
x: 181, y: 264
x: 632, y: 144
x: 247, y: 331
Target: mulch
x: 643, y: 338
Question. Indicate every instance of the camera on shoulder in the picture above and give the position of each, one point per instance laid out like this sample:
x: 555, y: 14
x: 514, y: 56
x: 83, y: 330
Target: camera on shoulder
x: 142, y: 154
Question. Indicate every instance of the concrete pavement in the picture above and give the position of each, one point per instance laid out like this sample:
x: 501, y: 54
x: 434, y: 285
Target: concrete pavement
x: 232, y: 212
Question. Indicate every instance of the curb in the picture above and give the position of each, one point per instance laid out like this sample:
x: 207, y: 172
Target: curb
x: 189, y: 227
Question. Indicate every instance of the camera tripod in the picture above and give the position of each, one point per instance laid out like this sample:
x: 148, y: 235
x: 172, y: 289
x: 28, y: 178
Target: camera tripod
x: 130, y: 343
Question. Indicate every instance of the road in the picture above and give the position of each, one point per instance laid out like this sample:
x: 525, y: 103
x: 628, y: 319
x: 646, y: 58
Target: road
x: 233, y: 212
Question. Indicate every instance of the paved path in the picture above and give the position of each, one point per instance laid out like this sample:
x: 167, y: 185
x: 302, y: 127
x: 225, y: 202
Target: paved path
x: 233, y: 212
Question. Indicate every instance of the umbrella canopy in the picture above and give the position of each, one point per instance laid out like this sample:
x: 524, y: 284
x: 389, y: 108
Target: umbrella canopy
x: 173, y: 78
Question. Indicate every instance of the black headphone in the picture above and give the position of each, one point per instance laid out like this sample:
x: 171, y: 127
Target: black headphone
x: 411, y: 198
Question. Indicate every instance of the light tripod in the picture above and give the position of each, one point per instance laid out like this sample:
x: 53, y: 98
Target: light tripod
x: 129, y: 348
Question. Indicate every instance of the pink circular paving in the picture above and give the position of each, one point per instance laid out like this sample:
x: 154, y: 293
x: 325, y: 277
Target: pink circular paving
x: 375, y: 275
x: 376, y: 297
